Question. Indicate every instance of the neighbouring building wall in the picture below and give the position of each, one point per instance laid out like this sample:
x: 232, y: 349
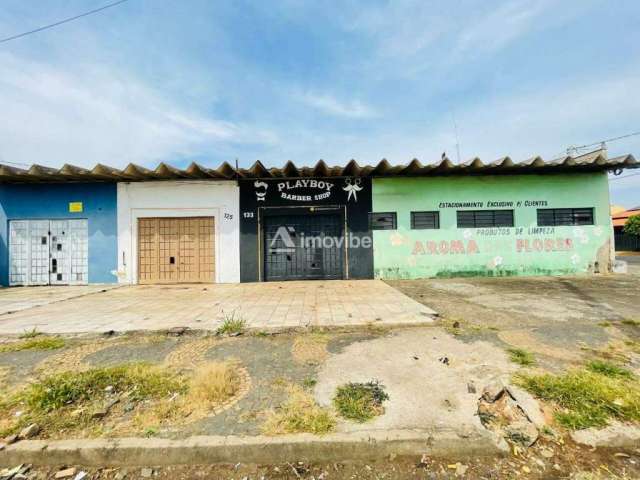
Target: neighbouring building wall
x: 218, y: 199
x: 51, y: 201
x: 524, y: 249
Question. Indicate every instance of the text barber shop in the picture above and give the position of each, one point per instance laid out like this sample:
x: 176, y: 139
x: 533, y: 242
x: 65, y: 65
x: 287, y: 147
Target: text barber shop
x: 305, y: 228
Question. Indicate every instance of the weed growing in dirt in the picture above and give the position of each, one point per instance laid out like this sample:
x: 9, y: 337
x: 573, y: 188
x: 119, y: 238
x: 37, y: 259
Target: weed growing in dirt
x: 633, y: 323
x: 232, y: 325
x: 214, y: 382
x: 30, y: 333
x: 588, y: 397
x: 309, y: 383
x: 68, y: 401
x: 521, y: 357
x: 604, y: 324
x: 360, y: 401
x: 300, y: 413
x: 34, y: 343
x: 211, y: 385
x: 609, y: 369
x: 62, y: 389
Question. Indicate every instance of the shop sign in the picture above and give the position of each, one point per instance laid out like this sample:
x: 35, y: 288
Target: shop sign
x: 307, y: 190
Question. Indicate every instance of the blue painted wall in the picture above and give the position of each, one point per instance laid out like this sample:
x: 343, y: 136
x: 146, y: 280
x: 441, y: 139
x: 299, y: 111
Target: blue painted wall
x: 44, y: 201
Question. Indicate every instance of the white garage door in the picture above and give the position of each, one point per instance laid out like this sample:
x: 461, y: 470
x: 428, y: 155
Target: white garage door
x: 48, y: 252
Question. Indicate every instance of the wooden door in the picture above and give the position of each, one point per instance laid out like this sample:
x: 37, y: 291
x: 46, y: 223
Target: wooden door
x: 176, y: 250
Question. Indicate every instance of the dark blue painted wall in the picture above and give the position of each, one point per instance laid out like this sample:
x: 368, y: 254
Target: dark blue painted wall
x: 44, y: 201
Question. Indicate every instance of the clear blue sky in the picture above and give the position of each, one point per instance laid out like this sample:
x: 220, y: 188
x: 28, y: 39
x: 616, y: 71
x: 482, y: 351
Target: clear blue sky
x: 185, y: 80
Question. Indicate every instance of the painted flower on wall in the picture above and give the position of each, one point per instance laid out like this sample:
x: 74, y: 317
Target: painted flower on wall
x: 397, y: 239
x: 581, y: 235
x: 495, y: 262
x: 467, y: 233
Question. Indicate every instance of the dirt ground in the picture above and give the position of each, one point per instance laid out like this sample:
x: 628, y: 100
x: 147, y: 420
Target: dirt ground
x: 562, y: 320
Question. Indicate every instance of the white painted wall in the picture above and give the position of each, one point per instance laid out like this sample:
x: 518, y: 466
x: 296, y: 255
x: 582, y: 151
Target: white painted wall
x: 220, y: 199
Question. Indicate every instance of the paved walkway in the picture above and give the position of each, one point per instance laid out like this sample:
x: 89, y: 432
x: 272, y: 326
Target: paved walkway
x: 23, y: 298
x: 262, y: 305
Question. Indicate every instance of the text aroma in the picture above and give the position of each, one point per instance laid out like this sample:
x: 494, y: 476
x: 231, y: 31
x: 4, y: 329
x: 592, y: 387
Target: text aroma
x: 445, y: 247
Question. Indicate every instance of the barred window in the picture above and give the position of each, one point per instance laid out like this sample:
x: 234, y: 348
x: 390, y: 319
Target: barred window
x: 425, y: 220
x: 484, y: 218
x: 553, y: 217
x: 382, y: 221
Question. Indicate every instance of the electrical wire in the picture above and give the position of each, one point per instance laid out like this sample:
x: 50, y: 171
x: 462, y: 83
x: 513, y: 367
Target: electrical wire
x: 609, y: 140
x: 66, y: 20
x: 601, y: 142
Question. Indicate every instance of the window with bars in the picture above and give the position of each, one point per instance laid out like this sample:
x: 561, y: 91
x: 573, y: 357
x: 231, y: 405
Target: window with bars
x: 425, y: 220
x: 553, y: 217
x: 382, y: 220
x: 484, y: 218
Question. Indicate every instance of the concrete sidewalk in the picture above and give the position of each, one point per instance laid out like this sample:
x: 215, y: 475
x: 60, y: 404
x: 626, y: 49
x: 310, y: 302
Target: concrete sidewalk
x: 264, y: 306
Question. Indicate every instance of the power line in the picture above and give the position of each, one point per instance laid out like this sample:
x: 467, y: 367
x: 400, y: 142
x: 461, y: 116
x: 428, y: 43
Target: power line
x: 66, y: 20
x: 601, y: 143
x: 609, y: 140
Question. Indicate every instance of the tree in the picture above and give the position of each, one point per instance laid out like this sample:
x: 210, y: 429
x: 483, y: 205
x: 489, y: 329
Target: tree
x: 632, y: 225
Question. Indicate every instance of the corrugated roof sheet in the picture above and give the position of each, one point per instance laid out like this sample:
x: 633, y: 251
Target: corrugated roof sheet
x: 594, y: 161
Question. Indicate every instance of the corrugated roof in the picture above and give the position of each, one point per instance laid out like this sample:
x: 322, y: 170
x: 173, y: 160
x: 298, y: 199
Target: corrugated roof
x: 594, y: 161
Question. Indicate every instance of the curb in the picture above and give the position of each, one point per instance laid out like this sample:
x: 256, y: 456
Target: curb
x: 126, y: 452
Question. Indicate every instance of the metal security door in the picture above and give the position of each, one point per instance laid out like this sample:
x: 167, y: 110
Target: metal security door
x: 39, y: 258
x: 60, y: 270
x: 176, y: 250
x: 43, y: 252
x: 77, y: 236
x: 18, y: 252
x: 303, y: 247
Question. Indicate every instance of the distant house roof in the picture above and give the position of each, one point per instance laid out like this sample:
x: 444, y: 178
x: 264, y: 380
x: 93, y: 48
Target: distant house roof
x: 619, y: 219
x: 594, y: 161
x: 615, y: 209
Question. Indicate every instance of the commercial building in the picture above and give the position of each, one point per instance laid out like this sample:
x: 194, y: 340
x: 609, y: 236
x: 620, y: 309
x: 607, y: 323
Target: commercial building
x: 169, y: 225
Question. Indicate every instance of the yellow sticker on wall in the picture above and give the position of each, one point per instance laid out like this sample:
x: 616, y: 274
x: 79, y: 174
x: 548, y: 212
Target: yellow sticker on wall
x: 75, y: 207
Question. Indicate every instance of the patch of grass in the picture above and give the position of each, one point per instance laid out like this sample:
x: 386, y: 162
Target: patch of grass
x: 232, y: 325
x: 360, y: 401
x: 65, y: 402
x: 309, y: 383
x: 633, y: 323
x: 587, y: 397
x: 143, y: 381
x: 213, y: 383
x: 609, y: 369
x: 34, y: 343
x: 521, y: 357
x: 299, y: 414
x: 30, y: 333
x: 604, y: 324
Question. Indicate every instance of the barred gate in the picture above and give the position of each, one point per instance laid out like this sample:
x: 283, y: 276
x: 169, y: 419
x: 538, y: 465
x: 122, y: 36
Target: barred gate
x: 626, y: 242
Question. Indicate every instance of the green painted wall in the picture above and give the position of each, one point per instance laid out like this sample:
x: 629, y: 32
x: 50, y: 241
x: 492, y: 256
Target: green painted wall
x: 525, y: 249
